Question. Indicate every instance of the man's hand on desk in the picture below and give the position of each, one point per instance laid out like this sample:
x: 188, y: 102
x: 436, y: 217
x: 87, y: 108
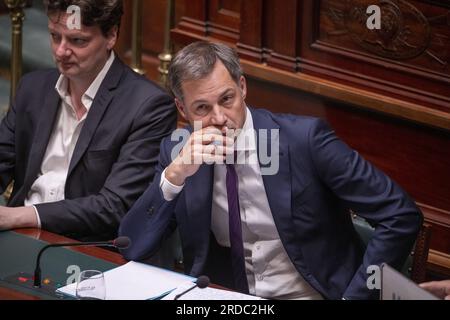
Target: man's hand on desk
x: 20, y: 217
x: 440, y: 289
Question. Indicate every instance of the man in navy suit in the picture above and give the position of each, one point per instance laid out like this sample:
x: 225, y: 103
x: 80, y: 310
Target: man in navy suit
x: 81, y: 141
x: 294, y: 238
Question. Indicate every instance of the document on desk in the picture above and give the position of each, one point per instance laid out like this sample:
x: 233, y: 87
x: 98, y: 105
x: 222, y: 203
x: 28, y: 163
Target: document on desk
x: 206, y: 293
x: 136, y: 281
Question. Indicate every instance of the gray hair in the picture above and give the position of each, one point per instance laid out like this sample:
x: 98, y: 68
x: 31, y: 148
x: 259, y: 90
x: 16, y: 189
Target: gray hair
x: 197, y: 60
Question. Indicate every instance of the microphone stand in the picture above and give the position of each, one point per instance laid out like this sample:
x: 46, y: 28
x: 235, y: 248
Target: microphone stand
x: 23, y: 279
x: 37, y: 271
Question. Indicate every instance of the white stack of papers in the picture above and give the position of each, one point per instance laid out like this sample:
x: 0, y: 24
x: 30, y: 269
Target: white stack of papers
x: 207, y: 294
x: 136, y: 281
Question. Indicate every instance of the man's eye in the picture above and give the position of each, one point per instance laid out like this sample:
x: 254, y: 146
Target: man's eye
x: 54, y: 36
x: 227, y: 99
x: 202, y: 109
x: 78, y: 41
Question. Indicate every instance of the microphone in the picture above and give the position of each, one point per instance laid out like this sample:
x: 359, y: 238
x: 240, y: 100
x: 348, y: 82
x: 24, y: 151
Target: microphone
x: 202, y: 282
x: 120, y: 243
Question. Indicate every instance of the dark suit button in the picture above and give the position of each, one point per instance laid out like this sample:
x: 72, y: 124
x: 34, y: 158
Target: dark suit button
x: 151, y: 211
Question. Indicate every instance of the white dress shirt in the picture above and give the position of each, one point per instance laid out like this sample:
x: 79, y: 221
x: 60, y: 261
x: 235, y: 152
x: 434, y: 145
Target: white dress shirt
x: 270, y: 272
x: 50, y: 183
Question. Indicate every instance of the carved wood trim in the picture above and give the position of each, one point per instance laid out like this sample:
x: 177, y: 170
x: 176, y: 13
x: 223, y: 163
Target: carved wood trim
x: 439, y: 262
x: 435, y: 215
x: 413, y: 95
x: 348, y: 94
x: 332, y: 60
x: 420, y: 254
x: 190, y: 25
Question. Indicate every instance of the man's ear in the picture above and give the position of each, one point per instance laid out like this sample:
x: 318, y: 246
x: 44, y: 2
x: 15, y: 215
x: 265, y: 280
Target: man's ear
x: 112, y: 37
x: 243, y: 86
x: 181, y: 108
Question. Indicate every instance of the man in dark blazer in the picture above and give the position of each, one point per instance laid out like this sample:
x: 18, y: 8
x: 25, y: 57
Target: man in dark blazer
x: 81, y: 141
x: 296, y: 238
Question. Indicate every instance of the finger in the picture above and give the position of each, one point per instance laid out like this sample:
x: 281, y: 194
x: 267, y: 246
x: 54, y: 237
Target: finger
x: 433, y: 284
x: 424, y: 285
x: 213, y: 158
x: 218, y: 140
x: 209, y: 149
x: 214, y: 130
x: 204, y: 137
x: 201, y: 140
x: 228, y: 141
x: 190, y: 155
x: 232, y: 133
x: 224, y: 150
x: 212, y: 138
x: 211, y: 130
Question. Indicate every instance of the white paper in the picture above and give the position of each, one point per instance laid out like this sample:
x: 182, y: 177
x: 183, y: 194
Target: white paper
x: 207, y: 294
x: 136, y: 281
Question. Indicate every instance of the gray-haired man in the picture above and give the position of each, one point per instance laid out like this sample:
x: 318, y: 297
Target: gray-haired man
x: 284, y: 234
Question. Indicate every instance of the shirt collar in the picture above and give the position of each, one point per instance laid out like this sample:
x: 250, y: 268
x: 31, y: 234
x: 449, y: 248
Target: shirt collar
x: 89, y: 95
x: 61, y: 88
x: 246, y: 140
x: 95, y: 85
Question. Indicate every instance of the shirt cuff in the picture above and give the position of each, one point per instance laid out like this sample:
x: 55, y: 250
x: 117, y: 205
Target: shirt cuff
x: 169, y: 190
x: 37, y: 217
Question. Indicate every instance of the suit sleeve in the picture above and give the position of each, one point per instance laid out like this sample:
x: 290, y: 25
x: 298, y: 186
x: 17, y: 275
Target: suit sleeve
x: 100, y: 214
x: 7, y: 146
x: 151, y: 219
x: 372, y: 195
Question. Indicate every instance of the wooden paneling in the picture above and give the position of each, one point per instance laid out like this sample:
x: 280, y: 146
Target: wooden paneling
x: 225, y: 13
x: 250, y: 45
x: 195, y: 17
x: 215, y: 18
x: 224, y: 19
x: 408, y: 58
x: 124, y: 40
x: 281, y: 29
x: 153, y: 26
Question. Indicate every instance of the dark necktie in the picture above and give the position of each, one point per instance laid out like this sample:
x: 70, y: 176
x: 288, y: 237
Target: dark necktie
x: 237, y: 245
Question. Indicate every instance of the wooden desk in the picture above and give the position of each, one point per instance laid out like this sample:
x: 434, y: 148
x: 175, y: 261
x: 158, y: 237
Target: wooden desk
x: 11, y: 294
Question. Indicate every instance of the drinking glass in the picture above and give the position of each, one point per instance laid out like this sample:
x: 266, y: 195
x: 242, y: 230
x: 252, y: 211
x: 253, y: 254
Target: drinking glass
x: 91, y: 285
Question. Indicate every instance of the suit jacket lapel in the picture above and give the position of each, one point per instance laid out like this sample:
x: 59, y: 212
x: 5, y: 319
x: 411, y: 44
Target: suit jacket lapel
x: 98, y: 108
x: 278, y: 185
x: 42, y: 135
x: 198, y: 190
x: 198, y: 196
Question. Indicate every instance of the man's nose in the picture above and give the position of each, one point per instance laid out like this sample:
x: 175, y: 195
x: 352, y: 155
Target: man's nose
x: 217, y: 116
x: 62, y: 50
